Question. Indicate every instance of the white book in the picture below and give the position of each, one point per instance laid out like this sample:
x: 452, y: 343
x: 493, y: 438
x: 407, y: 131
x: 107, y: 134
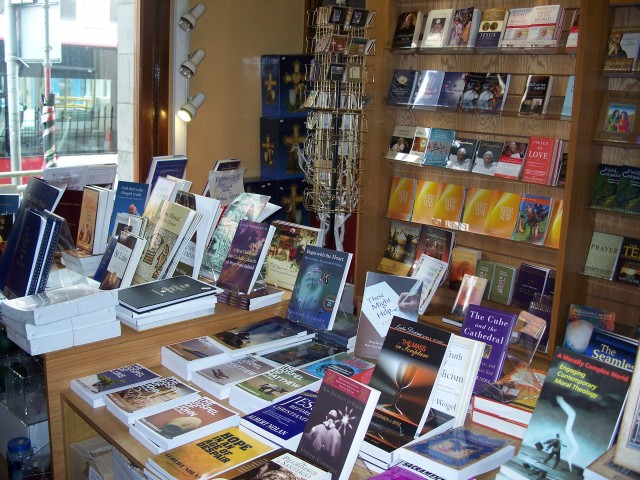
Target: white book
x: 30, y: 332
x: 40, y: 345
x: 123, y: 262
x: 183, y: 358
x: 167, y: 319
x: 182, y: 307
x: 95, y: 333
x: 516, y: 31
x: 431, y: 271
x: 401, y: 142
x: 437, y: 27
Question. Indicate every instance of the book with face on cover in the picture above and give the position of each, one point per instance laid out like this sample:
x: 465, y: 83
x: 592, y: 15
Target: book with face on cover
x: 401, y: 143
x: 436, y: 28
x: 408, y: 29
x: 461, y: 154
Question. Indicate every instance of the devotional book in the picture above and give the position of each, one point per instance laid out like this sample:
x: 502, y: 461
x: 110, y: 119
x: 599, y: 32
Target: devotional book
x: 602, y: 256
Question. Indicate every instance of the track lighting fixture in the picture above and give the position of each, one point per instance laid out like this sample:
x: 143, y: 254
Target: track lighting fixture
x: 188, y: 111
x: 189, y: 20
x: 189, y: 67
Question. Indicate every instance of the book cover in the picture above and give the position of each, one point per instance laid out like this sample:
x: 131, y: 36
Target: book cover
x: 401, y: 248
x: 185, y: 423
x: 419, y: 145
x: 432, y: 272
x: 287, y: 465
x: 316, y: 295
x: 545, y: 25
x: 517, y: 27
x: 492, y: 27
x: 493, y: 327
x: 345, y: 363
x: 554, y: 229
x: 567, y: 104
x: 434, y: 242
x: 503, y: 284
x: 337, y: 424
x: 605, y: 467
x: 428, y: 87
x: 462, y: 27
x: 605, y: 186
x: 123, y: 262
x: 531, y: 279
x: 471, y: 92
x: 448, y: 208
x: 93, y: 387
x: 502, y: 218
x: 246, y: 255
x: 428, y: 193
x: 452, y: 88
x: 461, y: 154
x: 301, y: 354
x: 628, y: 192
x: 537, y: 91
x: 511, y: 160
x: 618, y: 120
x: 459, y: 453
x: 402, y: 86
x: 88, y: 219
x: 471, y: 292
x: 193, y: 354
x: 579, y: 396
x: 606, y: 346
x: 623, y: 46
x: 286, y: 250
x: 407, y: 31
x: 463, y: 261
x: 486, y: 269
x: 493, y: 93
x: 130, y: 197
x: 161, y: 166
x: 437, y: 151
x: 627, y: 268
x: 436, y: 28
x: 401, y: 142
x: 626, y: 449
x: 604, y: 249
x: 406, y: 379
x: 533, y: 219
x: 211, y: 455
x: 401, y: 198
x: 486, y: 157
x: 478, y: 205
x: 386, y: 297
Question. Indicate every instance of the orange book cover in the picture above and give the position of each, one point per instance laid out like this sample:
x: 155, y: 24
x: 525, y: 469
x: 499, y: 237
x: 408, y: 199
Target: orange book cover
x: 555, y: 225
x: 463, y: 261
x: 478, y: 205
x: 427, y: 195
x: 401, y: 199
x: 448, y: 208
x: 502, y: 219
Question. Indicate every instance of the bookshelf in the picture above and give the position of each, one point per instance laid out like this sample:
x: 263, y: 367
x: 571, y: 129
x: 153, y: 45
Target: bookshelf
x: 584, y: 155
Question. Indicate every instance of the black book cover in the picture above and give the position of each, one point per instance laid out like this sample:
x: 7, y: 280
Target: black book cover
x: 161, y: 293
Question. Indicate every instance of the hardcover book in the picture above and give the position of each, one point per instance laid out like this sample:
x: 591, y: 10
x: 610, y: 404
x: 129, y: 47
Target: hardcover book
x: 531, y: 280
x: 461, y: 154
x: 316, y: 295
x: 132, y: 403
x: 452, y: 88
x: 493, y: 327
x: 407, y: 31
x: 436, y: 28
x: 401, y: 248
x: 428, y: 87
x: 579, y: 396
x: 604, y: 249
x: 459, y: 454
x: 401, y: 142
x: 385, y: 298
x: 437, y: 151
x: 182, y: 424
x: 337, y: 424
x: 402, y: 87
x: 492, y: 27
x: 401, y: 198
x: 605, y: 187
x: 427, y: 195
x: 183, y: 358
x: 486, y: 157
x: 532, y: 223
x: 618, y: 119
x: 537, y: 92
x: 627, y: 268
x: 511, y: 160
x: 92, y: 388
x: 209, y: 456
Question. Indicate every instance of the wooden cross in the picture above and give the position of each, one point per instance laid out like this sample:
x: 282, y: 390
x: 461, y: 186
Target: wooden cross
x: 291, y: 203
x: 292, y: 142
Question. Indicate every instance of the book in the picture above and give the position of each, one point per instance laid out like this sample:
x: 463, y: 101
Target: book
x: 246, y: 255
x: 574, y: 29
x: 428, y: 85
x: 217, y: 380
x: 554, y: 228
x: 604, y: 249
x: 337, y: 424
x: 432, y: 273
x: 493, y: 327
x: 164, y: 165
x: 567, y: 104
x: 604, y: 468
x: 603, y: 345
x: 531, y: 279
x: 536, y: 95
x: 183, y: 358
x: 492, y: 27
x: 130, y: 197
x: 209, y: 456
x: 471, y: 292
x: 385, y: 297
x: 345, y: 363
x: 459, y: 453
x: 405, y: 471
x: 401, y: 142
x: 461, y: 154
x: 269, y: 296
x: 627, y: 269
x: 436, y: 28
x: 545, y: 25
x: 90, y: 222
x: 605, y: 186
x: 343, y: 332
x: 502, y: 218
x: 282, y: 422
x: 437, y: 150
x: 434, y: 242
x: 93, y: 388
x: 418, y: 146
x: 286, y: 465
x: 471, y: 93
x: 464, y: 27
x: 486, y: 157
x: 503, y: 284
x: 265, y: 389
x: 452, y: 88
x: 157, y: 294
x: 541, y: 158
x: 493, y: 93
x: 448, y: 208
x: 402, y: 86
x: 132, y: 403
x: 463, y: 261
x: 579, y: 396
x: 407, y: 31
x: 316, y: 295
x: 532, y: 223
x: 618, y: 118
x: 186, y: 423
x: 511, y: 160
x: 625, y: 453
x: 479, y: 205
x: 401, y: 198
x: 428, y: 193
x: 258, y: 336
x: 285, y: 252
x: 124, y: 260
x: 628, y: 192
x: 302, y: 353
x: 517, y: 28
x: 623, y: 47
x: 486, y: 269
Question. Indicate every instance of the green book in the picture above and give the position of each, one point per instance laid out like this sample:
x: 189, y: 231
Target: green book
x: 606, y: 186
x: 628, y: 192
x: 504, y: 278
x: 486, y: 269
x: 603, y: 254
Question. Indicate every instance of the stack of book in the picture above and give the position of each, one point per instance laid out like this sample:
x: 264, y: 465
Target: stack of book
x: 183, y: 358
x: 302, y: 354
x: 261, y: 296
x: 61, y: 318
x: 163, y: 302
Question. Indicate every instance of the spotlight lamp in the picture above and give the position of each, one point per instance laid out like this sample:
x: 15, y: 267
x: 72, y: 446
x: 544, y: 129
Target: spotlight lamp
x: 189, y: 109
x: 189, y: 20
x: 189, y: 67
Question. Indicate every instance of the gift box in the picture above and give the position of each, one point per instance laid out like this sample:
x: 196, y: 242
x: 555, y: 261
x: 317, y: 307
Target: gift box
x: 284, y: 85
x: 280, y: 139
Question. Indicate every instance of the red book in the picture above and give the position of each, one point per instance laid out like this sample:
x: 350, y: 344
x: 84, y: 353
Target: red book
x: 539, y: 159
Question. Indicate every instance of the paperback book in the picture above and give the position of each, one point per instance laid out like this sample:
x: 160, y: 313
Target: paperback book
x: 402, y: 87
x: 618, y: 119
x: 627, y: 445
x: 401, y: 198
x: 602, y: 256
x: 183, y: 358
x: 437, y: 27
x: 286, y: 465
x: 486, y: 157
x: 438, y: 146
x: 434, y: 242
x: 303, y: 353
x: 532, y: 223
x: 627, y: 269
x: 461, y: 154
x: 531, y: 279
x: 537, y: 92
x: 401, y: 142
x: 451, y: 91
x: 428, y: 87
x: 408, y: 29
x: 345, y: 363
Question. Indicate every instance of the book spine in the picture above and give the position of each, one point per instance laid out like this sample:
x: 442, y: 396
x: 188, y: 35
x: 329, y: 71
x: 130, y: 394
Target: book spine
x: 46, y: 269
x: 42, y: 253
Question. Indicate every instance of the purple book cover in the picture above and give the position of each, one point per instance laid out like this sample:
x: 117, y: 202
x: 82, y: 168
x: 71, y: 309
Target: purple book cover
x: 531, y: 280
x: 493, y: 327
x: 239, y: 267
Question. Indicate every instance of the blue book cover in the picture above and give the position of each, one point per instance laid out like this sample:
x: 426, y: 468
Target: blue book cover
x: 531, y: 279
x: 106, y: 258
x: 316, y: 294
x: 130, y: 197
x: 161, y: 166
x: 402, y: 86
x: 284, y: 420
x: 9, y: 202
x: 452, y: 88
x: 345, y: 363
x: 47, y: 251
x: 567, y: 105
x: 608, y: 347
x: 437, y: 152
